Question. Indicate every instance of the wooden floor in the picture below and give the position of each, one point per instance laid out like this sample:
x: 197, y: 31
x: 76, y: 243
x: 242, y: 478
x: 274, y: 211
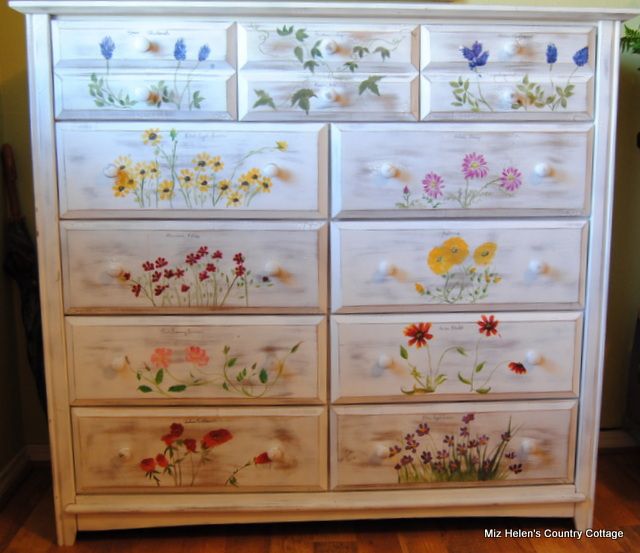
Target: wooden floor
x: 26, y: 526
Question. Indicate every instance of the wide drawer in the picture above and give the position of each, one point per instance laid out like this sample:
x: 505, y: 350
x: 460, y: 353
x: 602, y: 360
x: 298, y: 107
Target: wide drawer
x: 327, y: 71
x: 438, y: 357
x: 144, y: 68
x: 509, y: 72
x: 206, y: 449
x: 222, y: 360
x: 407, y: 265
x: 401, y: 170
x: 192, y: 169
x: 481, y: 444
x: 174, y: 266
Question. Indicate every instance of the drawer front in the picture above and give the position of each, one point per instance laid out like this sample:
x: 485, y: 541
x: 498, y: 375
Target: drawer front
x: 181, y: 266
x: 144, y: 68
x: 487, y: 444
x: 192, y: 169
x: 410, y: 265
x: 219, y: 359
x: 222, y: 450
x: 448, y: 169
x: 438, y: 357
x: 519, y: 72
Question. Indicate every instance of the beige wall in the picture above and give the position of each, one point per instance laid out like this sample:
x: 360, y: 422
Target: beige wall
x: 625, y: 281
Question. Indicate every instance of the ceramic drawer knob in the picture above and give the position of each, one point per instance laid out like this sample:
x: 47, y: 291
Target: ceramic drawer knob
x: 141, y: 44
x: 140, y: 94
x: 119, y: 364
x: 507, y: 96
x: 533, y: 357
x: 543, y: 169
x: 124, y: 454
x: 329, y: 95
x: 114, y: 269
x: 385, y: 361
x: 329, y: 46
x: 388, y: 170
x: 271, y: 170
x: 526, y: 447
x: 275, y: 453
x: 538, y: 267
x: 272, y: 268
x: 381, y: 451
x: 385, y: 268
x: 511, y: 48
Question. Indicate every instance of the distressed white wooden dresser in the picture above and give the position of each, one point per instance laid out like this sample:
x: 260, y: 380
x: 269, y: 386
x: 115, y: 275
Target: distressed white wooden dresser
x: 306, y: 260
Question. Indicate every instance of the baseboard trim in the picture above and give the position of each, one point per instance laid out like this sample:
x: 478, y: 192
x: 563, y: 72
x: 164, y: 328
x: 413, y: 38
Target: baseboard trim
x: 12, y: 473
x: 38, y: 453
x: 616, y: 439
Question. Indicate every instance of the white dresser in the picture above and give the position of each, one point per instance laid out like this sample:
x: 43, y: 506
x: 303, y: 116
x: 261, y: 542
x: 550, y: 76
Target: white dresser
x: 313, y: 261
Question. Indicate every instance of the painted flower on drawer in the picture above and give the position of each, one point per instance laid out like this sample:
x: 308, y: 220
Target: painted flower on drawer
x: 464, y: 279
x: 528, y: 94
x: 475, y: 379
x: 177, y: 93
x: 206, y: 182
x: 203, y: 280
x: 424, y: 455
x: 478, y: 184
x: 171, y: 373
x: 183, y: 457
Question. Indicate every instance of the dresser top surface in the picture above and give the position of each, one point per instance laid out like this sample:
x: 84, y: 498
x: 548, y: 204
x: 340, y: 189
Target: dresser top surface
x: 333, y: 9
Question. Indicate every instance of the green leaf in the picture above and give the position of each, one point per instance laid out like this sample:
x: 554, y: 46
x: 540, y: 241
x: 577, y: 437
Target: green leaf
x: 263, y: 376
x: 138, y: 376
x: 144, y: 389
x: 463, y: 379
x: 301, y: 98
x: 285, y: 31
x: 315, y: 51
x: 226, y: 349
x: 404, y: 353
x: 479, y: 367
x: 295, y: 348
x: 563, y: 103
x: 384, y: 53
x: 440, y: 379
x: 177, y: 388
x: 525, y: 79
x: 225, y: 386
x: 484, y: 390
x: 461, y: 350
x: 453, y: 84
x: 360, y: 51
x: 371, y: 83
x: 94, y: 77
x: 351, y: 65
x: 301, y: 35
x: 311, y: 65
x: 263, y: 100
x: 159, y: 376
x: 457, y: 104
x: 232, y: 362
x: 299, y: 53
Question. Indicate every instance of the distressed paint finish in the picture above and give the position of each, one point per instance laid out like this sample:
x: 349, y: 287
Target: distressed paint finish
x: 380, y: 264
x: 111, y: 444
x: 87, y: 172
x: 554, y: 163
x: 105, y: 353
x: 368, y: 365
x: 542, y: 438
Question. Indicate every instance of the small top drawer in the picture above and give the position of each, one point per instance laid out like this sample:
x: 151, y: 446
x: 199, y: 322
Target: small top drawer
x: 522, y: 72
x: 322, y: 71
x: 149, y: 67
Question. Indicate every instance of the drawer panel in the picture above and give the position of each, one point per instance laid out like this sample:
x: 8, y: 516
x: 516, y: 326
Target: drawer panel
x: 186, y: 266
x: 448, y: 169
x: 210, y: 449
x: 483, y: 444
x: 528, y: 73
x: 224, y: 360
x: 437, y: 357
x: 408, y: 265
x: 264, y: 96
x: 192, y: 169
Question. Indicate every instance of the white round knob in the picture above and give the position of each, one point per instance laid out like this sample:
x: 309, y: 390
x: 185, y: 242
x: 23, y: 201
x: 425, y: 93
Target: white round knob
x: 511, y: 48
x: 270, y: 170
x: 388, y: 170
x: 114, y: 269
x: 526, y: 446
x: 119, y: 364
x: 329, y: 46
x: 537, y: 267
x: 141, y: 44
x: 381, y: 451
x: 507, y: 96
x: 140, y: 94
x: 124, y: 453
x: 385, y: 361
x: 385, y: 268
x: 275, y: 453
x: 533, y: 357
x: 329, y: 95
x: 272, y: 268
x: 542, y: 169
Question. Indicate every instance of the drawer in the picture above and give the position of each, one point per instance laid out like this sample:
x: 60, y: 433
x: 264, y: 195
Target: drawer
x: 438, y: 357
x: 246, y: 360
x: 220, y: 170
x: 146, y: 68
x: 407, y: 265
x: 324, y: 71
x: 521, y: 72
x: 174, y: 266
x: 439, y: 169
x: 448, y: 444
x: 211, y: 449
